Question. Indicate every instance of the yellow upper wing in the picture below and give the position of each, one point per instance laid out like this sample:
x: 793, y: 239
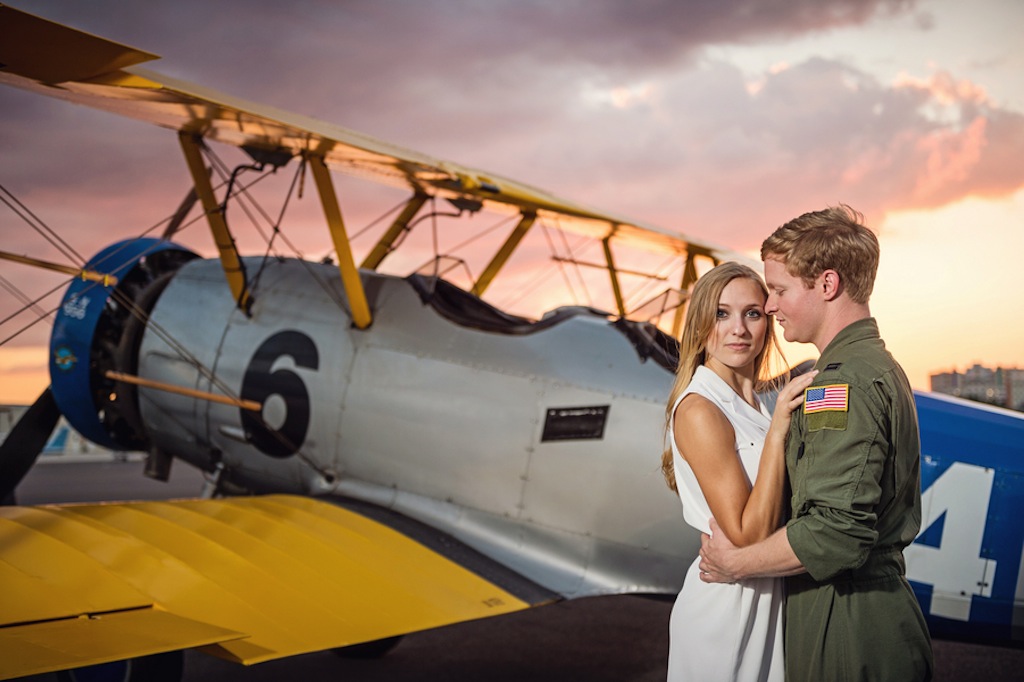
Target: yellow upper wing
x: 96, y: 72
x: 249, y: 579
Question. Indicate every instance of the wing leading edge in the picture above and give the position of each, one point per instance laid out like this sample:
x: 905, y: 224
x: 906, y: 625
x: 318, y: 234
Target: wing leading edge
x: 247, y: 579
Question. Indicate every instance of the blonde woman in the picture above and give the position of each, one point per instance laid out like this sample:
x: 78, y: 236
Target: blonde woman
x: 725, y: 461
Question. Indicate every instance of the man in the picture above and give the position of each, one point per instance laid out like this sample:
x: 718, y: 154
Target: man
x: 853, y: 463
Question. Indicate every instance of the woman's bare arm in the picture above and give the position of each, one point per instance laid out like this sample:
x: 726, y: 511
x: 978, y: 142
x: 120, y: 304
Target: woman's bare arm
x: 706, y: 439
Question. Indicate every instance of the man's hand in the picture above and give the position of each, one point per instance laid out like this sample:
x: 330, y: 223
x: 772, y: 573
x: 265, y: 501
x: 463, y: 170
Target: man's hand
x: 717, y: 557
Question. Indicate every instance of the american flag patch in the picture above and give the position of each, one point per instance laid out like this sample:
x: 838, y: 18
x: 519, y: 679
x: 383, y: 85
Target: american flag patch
x: 834, y: 398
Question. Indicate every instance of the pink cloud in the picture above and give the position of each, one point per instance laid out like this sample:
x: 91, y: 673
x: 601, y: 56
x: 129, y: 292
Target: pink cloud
x: 950, y: 157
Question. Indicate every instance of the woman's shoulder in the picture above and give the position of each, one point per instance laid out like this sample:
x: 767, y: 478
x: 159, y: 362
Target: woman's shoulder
x: 695, y: 410
x: 701, y: 429
x: 710, y: 386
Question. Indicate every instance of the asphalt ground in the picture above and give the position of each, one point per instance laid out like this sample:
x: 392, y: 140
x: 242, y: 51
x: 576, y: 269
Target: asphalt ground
x: 601, y: 638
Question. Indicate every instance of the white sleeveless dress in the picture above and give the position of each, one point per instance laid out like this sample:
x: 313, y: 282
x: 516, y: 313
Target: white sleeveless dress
x: 721, y: 631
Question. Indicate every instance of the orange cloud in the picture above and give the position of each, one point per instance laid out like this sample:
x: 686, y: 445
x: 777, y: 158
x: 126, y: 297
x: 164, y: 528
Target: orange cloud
x: 951, y: 156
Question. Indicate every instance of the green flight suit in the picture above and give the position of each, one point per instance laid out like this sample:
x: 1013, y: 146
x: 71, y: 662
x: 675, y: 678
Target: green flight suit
x: 853, y: 459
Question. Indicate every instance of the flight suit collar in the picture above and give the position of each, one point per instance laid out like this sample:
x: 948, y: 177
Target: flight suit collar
x: 861, y: 330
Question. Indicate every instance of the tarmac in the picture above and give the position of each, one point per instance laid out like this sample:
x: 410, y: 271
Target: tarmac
x: 598, y: 638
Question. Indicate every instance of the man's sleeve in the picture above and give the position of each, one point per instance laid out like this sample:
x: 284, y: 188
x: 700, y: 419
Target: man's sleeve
x: 838, y: 480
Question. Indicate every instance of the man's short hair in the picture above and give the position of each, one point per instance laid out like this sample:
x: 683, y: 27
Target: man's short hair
x: 832, y: 239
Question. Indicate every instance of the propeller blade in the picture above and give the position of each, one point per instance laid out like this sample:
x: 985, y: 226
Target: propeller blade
x: 26, y: 440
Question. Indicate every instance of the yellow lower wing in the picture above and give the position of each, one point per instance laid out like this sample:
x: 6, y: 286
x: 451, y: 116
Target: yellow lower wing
x: 249, y: 579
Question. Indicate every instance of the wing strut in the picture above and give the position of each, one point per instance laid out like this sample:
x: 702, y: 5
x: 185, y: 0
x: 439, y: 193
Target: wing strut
x: 234, y: 269
x: 689, y: 277
x: 613, y: 273
x: 346, y: 263
x: 500, y: 258
x: 401, y: 224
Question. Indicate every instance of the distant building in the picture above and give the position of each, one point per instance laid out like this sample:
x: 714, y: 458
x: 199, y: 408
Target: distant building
x: 1000, y: 386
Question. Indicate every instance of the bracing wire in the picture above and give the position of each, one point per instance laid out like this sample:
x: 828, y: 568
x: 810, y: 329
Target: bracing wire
x: 277, y: 225
x: 560, y: 263
x: 571, y: 254
x: 130, y: 305
x: 464, y: 243
x: 643, y: 290
x: 27, y: 303
x: 483, y: 233
x: 35, y: 321
x: 221, y: 168
x: 39, y: 226
x: 373, y: 223
x: 21, y: 296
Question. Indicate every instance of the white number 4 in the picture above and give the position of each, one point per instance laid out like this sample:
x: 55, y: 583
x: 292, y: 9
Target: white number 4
x: 955, y: 569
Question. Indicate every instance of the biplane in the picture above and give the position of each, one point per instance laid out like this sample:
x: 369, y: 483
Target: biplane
x: 385, y: 453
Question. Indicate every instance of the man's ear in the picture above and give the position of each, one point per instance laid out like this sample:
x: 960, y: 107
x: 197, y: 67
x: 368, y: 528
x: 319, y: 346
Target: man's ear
x: 831, y: 284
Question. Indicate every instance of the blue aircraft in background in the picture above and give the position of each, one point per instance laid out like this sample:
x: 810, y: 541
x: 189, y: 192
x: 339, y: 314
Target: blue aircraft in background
x: 965, y: 566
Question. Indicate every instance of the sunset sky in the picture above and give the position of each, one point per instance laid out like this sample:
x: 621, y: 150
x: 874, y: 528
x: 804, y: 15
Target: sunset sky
x: 720, y: 120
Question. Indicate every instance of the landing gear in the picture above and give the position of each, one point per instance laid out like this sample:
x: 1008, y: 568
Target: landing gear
x: 212, y: 484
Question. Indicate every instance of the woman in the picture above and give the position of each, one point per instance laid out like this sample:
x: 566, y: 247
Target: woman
x: 726, y: 461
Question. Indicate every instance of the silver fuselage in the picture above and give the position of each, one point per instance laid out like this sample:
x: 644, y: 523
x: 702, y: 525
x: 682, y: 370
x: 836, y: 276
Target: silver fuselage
x: 429, y: 418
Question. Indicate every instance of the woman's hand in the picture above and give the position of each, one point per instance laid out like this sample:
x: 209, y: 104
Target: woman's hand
x: 790, y: 398
x: 715, y: 551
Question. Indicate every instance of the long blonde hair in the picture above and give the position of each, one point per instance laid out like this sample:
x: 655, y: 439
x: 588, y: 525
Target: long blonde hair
x: 701, y: 313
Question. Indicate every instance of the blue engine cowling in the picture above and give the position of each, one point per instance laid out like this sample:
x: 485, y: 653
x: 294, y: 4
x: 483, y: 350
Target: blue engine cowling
x: 97, y: 330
